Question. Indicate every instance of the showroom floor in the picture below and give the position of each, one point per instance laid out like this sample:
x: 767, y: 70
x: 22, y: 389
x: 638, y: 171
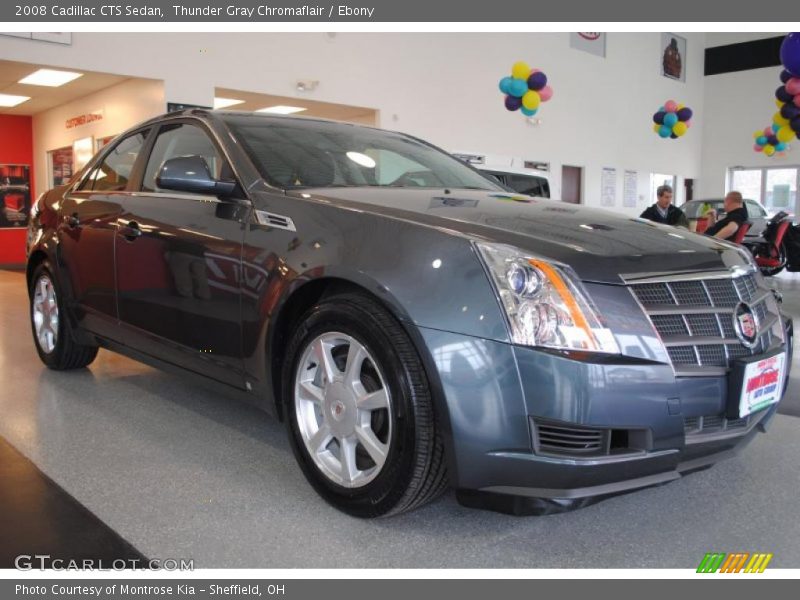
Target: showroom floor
x: 181, y: 473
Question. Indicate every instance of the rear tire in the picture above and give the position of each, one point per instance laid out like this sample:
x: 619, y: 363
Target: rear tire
x: 52, y: 337
x: 368, y: 458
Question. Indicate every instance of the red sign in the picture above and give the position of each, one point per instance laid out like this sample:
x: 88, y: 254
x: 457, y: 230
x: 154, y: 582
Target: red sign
x: 84, y: 119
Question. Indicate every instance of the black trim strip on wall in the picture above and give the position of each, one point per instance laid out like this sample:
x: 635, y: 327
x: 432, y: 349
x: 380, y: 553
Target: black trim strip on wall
x: 743, y: 56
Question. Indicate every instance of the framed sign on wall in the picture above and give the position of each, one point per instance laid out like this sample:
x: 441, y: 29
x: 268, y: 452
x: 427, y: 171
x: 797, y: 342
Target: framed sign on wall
x: 15, y: 195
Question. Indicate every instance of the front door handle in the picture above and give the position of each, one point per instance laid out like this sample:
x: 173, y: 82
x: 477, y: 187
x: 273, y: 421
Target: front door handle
x: 73, y: 221
x: 131, y: 231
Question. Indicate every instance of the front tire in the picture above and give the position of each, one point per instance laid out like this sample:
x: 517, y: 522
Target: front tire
x: 51, y: 335
x: 359, y: 410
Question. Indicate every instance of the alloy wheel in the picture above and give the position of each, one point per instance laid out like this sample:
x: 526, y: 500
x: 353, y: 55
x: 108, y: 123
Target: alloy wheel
x: 45, y: 314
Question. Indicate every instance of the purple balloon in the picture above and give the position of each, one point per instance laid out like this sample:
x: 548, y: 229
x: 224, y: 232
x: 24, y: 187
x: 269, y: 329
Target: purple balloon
x: 795, y: 125
x: 673, y: 136
x: 790, y: 53
x: 537, y: 81
x: 782, y: 95
x: 773, y: 140
x: 786, y: 76
x: 685, y: 114
x: 513, y: 103
x: 659, y: 117
x: 789, y: 111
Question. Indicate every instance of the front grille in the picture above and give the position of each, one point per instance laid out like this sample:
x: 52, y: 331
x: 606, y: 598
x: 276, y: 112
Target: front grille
x: 714, y: 424
x: 694, y: 318
x: 560, y: 439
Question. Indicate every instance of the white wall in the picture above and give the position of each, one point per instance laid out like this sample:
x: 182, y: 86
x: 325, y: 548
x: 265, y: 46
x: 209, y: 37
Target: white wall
x: 123, y: 105
x: 442, y: 87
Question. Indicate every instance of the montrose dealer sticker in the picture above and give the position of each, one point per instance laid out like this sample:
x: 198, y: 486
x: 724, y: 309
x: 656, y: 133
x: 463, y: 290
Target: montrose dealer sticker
x: 763, y: 381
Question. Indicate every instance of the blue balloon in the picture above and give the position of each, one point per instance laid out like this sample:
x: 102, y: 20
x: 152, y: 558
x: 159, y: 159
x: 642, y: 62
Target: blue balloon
x: 775, y: 127
x: 665, y: 131
x: 785, y: 76
x: 789, y: 111
x: 782, y: 95
x: 780, y: 146
x: 790, y: 53
x: 537, y: 81
x: 505, y: 84
x: 528, y: 112
x: 518, y: 87
x: 761, y: 140
x: 670, y: 119
x: 795, y: 124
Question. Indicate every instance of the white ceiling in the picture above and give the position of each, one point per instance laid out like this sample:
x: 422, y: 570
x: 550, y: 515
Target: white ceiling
x: 43, y: 97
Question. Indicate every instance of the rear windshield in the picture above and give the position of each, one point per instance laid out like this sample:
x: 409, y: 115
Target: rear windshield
x: 293, y: 153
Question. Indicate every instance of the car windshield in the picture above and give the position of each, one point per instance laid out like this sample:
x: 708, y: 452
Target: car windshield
x: 295, y: 153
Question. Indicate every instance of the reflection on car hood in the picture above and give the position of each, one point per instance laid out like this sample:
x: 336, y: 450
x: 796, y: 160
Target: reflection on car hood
x: 598, y: 244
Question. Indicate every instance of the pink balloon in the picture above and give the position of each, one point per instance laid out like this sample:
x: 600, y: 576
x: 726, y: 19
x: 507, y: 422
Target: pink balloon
x: 671, y: 106
x: 768, y: 131
x: 797, y: 101
x: 689, y: 123
x: 757, y: 148
x: 793, y: 86
x: 546, y: 93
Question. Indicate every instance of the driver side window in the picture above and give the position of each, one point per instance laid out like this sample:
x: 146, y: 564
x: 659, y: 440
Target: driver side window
x: 181, y: 139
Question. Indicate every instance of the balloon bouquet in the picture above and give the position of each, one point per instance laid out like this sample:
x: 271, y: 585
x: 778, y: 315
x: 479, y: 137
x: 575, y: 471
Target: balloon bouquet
x: 672, y: 120
x: 526, y: 89
x: 774, y: 140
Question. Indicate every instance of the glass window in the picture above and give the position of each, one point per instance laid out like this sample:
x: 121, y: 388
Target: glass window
x: 748, y: 182
x: 294, y: 153
x: 659, y: 179
x: 530, y: 184
x: 113, y: 173
x: 754, y: 209
x: 181, y: 139
x: 781, y: 190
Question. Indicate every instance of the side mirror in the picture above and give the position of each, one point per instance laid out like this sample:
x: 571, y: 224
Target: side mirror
x: 190, y: 174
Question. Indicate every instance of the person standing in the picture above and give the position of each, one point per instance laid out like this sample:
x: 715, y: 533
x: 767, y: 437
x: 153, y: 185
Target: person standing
x: 735, y: 216
x: 663, y: 211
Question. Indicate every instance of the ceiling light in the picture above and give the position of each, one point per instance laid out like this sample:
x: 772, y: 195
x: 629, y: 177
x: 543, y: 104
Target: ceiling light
x: 9, y: 100
x: 282, y: 110
x: 50, y: 78
x: 226, y: 102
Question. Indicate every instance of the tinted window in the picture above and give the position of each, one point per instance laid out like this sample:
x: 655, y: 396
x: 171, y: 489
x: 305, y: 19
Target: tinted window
x: 181, y: 139
x: 113, y: 173
x: 530, y: 185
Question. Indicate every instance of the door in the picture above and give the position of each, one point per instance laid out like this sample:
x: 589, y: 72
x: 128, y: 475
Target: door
x: 178, y: 263
x: 571, y: 178
x: 86, y: 236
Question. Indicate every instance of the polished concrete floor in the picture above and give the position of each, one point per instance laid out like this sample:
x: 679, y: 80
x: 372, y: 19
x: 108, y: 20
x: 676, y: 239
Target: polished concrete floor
x: 182, y: 473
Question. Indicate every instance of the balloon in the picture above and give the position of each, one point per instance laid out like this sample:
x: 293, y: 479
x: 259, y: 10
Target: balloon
x: 768, y: 131
x: 797, y: 100
x: 790, y: 53
x: 665, y: 131
x: 761, y: 140
x: 528, y: 112
x: 680, y: 128
x: 785, y: 76
x: 769, y: 149
x: 673, y: 136
x: 670, y: 106
x: 793, y: 86
x: 772, y: 140
x: 757, y: 148
x: 513, y: 103
x: 659, y: 117
x: 546, y: 93
x: 520, y: 70
x: 779, y: 103
x: 679, y: 107
x: 785, y: 134
x: 518, y: 87
x: 689, y: 123
x: 780, y: 146
x: 757, y: 134
x: 537, y: 81
x: 795, y: 124
x: 531, y: 100
x: 656, y: 127
x: 789, y: 111
x: 685, y: 113
x: 670, y: 119
x: 782, y: 95
x: 505, y: 85
x: 779, y: 119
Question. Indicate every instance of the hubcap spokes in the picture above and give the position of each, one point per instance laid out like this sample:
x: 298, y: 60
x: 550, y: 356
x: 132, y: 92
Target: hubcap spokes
x: 343, y: 409
x: 45, y: 314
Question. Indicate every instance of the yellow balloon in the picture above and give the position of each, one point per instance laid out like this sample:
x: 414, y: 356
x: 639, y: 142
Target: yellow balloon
x: 680, y: 106
x: 758, y: 134
x: 531, y: 100
x: 521, y: 70
x: 779, y: 119
x: 656, y: 127
x: 679, y: 128
x: 769, y: 149
x: 779, y: 103
x: 785, y: 134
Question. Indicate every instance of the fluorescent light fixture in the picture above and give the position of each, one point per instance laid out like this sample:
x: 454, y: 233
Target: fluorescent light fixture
x: 362, y: 159
x: 9, y: 100
x: 226, y: 102
x: 282, y: 110
x: 50, y: 78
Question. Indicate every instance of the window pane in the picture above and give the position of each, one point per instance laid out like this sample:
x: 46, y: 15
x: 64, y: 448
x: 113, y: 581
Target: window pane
x: 180, y: 140
x: 113, y: 173
x: 748, y: 182
x: 781, y: 189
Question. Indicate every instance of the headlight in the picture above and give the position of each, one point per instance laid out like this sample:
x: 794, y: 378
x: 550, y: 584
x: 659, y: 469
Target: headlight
x: 544, y: 302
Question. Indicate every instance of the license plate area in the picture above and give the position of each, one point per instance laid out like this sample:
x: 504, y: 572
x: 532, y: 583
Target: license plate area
x: 755, y: 383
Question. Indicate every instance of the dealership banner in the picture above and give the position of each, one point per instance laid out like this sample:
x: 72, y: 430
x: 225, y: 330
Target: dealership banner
x: 56, y: 11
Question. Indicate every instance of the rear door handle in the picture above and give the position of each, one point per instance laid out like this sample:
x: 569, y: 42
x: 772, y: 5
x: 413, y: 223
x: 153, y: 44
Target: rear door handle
x: 131, y: 231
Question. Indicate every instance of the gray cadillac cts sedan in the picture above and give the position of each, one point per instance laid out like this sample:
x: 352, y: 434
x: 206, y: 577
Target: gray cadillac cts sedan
x: 415, y: 325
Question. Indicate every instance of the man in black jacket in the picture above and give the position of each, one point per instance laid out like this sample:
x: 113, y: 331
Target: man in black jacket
x: 663, y: 210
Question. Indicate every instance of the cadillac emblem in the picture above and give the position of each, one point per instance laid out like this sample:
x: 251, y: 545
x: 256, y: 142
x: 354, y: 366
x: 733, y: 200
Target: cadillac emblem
x: 745, y: 324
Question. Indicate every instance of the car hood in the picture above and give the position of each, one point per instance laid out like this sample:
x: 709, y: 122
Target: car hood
x: 600, y: 245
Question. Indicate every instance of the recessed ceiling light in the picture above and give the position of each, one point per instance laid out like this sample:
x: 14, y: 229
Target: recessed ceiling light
x: 226, y: 102
x: 282, y: 110
x: 9, y: 100
x: 50, y: 78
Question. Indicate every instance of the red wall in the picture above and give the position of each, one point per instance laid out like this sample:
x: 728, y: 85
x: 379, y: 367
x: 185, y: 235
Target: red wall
x: 16, y: 147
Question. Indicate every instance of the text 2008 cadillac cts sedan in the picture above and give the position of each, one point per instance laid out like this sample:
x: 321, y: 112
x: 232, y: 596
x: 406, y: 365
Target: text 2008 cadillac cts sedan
x: 415, y: 325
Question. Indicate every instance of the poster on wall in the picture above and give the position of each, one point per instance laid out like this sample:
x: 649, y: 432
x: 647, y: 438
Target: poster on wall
x: 15, y: 195
x: 673, y: 56
x: 60, y: 166
x: 591, y: 42
x: 630, y: 184
x: 608, y: 187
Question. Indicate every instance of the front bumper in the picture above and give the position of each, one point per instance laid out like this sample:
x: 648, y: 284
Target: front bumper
x: 495, y: 394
